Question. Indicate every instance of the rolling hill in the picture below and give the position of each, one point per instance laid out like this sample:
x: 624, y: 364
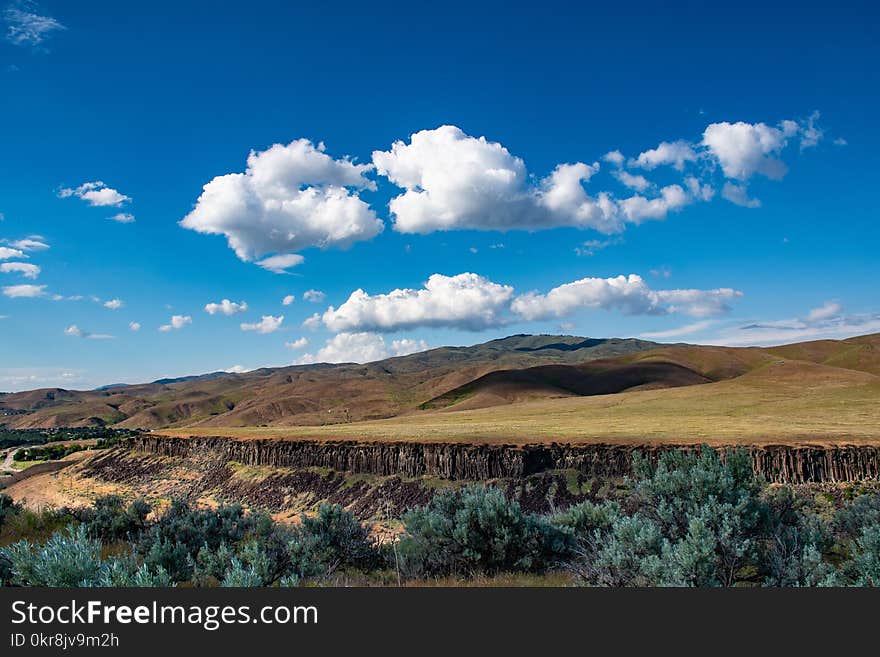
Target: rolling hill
x: 302, y: 395
x: 517, y: 388
x: 824, y: 393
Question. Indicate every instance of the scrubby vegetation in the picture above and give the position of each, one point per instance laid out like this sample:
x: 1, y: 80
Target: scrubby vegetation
x: 104, y: 435
x: 473, y: 531
x: 47, y: 453
x: 685, y: 520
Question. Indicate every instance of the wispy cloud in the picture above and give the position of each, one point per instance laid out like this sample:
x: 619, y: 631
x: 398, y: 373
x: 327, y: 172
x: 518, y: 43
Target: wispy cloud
x: 591, y: 247
x: 26, y: 26
x: 279, y: 264
x: 687, y: 329
x: 27, y: 378
x: 24, y: 291
x: 32, y: 243
x: 24, y: 268
x: 825, y: 322
x: 76, y: 332
x: 7, y: 252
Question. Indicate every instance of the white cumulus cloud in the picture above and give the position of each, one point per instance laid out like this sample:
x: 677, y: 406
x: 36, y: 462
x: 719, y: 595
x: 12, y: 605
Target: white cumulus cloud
x: 745, y: 149
x: 629, y: 294
x: 289, y: 299
x: 361, y: 347
x: 633, y: 181
x: 312, y: 323
x: 114, y: 304
x: 226, y: 307
x: 464, y: 301
x: 134, y: 326
x: 300, y: 343
x: 827, y: 310
x: 177, y: 322
x: 267, y: 324
x: 638, y: 208
x: 290, y: 197
x: 614, y: 157
x: 675, y: 154
x: 123, y: 218
x: 455, y: 181
x: 96, y: 194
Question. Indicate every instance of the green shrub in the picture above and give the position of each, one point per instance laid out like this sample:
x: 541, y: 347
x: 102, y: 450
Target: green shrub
x: 792, y: 553
x: 582, y: 520
x: 628, y: 554
x: 239, y: 575
x: 696, y: 520
x: 865, y: 565
x: 68, y: 558
x: 863, y: 511
x: 211, y: 565
x: 332, y: 539
x: 109, y: 520
x: 169, y: 555
x: 475, y: 530
x: 125, y: 571
x: 8, y: 507
x: 175, y: 540
x: 857, y: 526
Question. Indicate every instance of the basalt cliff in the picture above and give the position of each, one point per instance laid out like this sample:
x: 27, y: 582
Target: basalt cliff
x: 792, y: 464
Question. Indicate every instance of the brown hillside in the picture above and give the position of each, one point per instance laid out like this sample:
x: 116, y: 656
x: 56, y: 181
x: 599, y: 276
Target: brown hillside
x: 600, y: 378
x: 319, y: 394
x: 503, y: 373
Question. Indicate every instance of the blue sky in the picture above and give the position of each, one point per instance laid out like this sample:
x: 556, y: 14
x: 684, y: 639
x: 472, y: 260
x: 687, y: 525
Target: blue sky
x: 465, y: 183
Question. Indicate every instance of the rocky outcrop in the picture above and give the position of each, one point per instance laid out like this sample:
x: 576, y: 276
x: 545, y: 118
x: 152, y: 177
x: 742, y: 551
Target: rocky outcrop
x: 776, y: 463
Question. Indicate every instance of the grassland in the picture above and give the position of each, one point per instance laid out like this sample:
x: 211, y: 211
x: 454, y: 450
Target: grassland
x: 519, y: 389
x: 779, y: 401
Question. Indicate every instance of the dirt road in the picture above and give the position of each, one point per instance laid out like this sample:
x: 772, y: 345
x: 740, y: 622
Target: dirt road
x: 10, y: 456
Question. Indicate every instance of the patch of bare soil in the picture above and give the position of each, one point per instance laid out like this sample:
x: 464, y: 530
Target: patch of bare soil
x: 59, y: 487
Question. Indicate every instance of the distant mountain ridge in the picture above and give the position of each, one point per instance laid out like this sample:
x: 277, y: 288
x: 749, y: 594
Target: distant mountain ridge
x: 506, y: 371
x: 321, y: 393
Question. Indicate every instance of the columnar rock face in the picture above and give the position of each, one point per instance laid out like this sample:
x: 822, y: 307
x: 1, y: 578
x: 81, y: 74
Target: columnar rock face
x: 776, y: 463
